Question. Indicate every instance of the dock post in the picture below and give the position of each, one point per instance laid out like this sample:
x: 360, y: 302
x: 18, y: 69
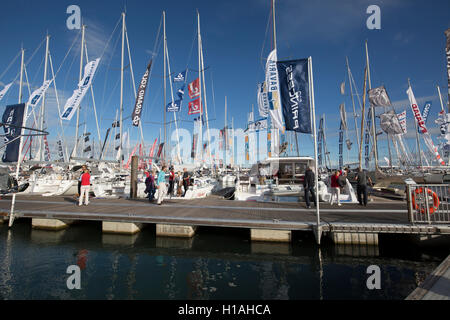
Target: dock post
x: 318, y: 232
x: 134, y: 170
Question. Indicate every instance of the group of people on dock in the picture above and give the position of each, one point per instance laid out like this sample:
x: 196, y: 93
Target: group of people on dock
x: 338, y: 181
x: 155, y: 183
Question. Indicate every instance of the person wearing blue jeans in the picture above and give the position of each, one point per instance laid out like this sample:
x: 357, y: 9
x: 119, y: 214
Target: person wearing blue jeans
x: 308, y: 185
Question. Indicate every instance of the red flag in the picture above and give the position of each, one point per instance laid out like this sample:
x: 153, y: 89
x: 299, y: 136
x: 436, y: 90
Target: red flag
x: 195, y: 107
x: 194, y: 89
x: 131, y: 156
x: 152, y: 151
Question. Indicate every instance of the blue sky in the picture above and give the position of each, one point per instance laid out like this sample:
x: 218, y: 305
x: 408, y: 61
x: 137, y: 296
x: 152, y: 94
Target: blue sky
x: 410, y: 44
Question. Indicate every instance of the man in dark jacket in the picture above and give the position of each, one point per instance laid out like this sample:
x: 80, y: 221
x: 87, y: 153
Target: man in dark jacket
x: 361, y: 188
x: 150, y: 186
x: 308, y: 184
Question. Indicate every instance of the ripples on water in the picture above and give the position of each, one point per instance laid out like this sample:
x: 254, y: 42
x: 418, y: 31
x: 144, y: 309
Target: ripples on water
x: 215, y: 264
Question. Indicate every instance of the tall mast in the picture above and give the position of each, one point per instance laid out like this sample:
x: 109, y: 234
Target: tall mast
x: 225, y: 135
x: 19, y: 158
x: 363, y: 118
x: 353, y: 100
x: 372, y: 108
x: 274, y: 26
x: 41, y: 147
x: 21, y: 76
x: 165, y: 86
x: 83, y: 30
x: 440, y: 98
x: 121, y: 90
x: 205, y: 101
x: 200, y: 136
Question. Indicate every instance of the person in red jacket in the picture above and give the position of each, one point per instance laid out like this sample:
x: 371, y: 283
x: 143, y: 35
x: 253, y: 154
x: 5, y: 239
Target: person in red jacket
x: 85, y: 188
x: 335, y: 188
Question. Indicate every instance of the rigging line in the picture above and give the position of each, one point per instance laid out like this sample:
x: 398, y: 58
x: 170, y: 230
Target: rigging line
x: 93, y: 102
x: 59, y: 109
x: 265, y: 37
x: 108, y: 69
x: 213, y: 94
x: 10, y: 65
x: 110, y: 37
x: 38, y: 71
x: 67, y: 53
x: 35, y: 51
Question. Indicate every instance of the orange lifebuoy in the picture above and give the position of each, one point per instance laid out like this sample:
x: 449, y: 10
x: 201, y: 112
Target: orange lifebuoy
x: 433, y: 208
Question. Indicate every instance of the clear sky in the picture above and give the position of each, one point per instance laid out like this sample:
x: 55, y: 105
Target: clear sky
x: 236, y: 40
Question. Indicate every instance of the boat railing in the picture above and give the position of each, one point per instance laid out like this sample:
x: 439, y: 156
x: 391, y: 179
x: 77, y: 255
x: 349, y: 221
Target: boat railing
x: 428, y: 203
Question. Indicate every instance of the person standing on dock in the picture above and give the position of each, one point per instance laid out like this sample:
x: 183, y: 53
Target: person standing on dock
x: 85, y: 188
x: 186, y: 181
x: 171, y: 182
x: 84, y: 167
x: 161, y: 185
x: 361, y: 187
x: 150, y: 187
x: 309, y: 185
x: 335, y: 188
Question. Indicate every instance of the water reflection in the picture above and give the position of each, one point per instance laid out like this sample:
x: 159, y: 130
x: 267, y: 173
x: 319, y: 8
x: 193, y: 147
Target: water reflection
x: 215, y: 264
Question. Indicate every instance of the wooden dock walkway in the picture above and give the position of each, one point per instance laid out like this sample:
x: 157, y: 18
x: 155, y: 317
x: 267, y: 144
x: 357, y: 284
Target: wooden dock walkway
x: 380, y: 216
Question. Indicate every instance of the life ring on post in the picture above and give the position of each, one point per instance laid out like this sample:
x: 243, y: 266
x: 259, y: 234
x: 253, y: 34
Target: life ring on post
x: 433, y: 208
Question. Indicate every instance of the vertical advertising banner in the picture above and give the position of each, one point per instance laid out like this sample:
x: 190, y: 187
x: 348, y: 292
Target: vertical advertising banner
x: 294, y: 89
x: 13, y: 116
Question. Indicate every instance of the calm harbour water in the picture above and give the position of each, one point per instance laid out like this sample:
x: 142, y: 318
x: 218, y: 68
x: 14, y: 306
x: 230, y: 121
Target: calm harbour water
x: 215, y: 264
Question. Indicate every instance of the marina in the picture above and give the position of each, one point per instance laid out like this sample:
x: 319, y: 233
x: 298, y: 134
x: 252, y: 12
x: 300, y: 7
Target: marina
x: 224, y: 161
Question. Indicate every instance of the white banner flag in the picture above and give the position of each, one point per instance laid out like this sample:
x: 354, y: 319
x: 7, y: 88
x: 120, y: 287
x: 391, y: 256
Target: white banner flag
x: 263, y: 101
x: 257, y: 125
x: 37, y: 94
x: 422, y: 127
x: 273, y: 90
x: 74, y: 101
x: 5, y: 90
x: 402, y: 120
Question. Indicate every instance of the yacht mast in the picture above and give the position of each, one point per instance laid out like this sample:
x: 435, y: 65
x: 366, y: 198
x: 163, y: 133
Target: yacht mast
x: 165, y: 87
x: 42, y: 121
x: 355, y: 116
x: 121, y: 90
x: 19, y: 158
x: 83, y: 30
x: 372, y: 108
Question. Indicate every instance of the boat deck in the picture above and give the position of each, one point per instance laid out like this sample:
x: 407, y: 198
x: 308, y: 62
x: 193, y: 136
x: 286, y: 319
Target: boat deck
x: 380, y: 216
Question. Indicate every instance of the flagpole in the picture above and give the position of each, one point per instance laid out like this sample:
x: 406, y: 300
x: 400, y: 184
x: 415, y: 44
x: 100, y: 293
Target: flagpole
x: 83, y: 30
x: 417, y: 136
x: 312, y: 103
x: 19, y: 157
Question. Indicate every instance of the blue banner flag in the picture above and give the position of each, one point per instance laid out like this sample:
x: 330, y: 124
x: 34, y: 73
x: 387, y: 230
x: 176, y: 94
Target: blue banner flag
x: 425, y: 113
x: 174, y: 106
x: 181, y: 77
x: 13, y: 116
x: 294, y: 89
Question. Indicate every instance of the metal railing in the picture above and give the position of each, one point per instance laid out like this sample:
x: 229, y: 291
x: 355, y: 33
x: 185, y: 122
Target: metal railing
x: 428, y: 203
